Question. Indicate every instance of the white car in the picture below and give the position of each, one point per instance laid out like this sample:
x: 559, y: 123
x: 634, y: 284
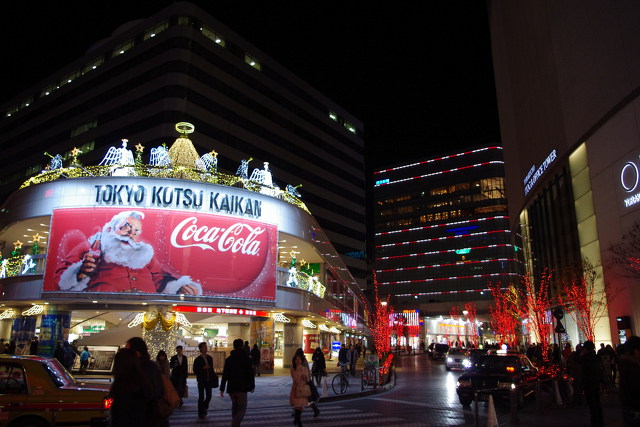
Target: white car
x: 457, y: 358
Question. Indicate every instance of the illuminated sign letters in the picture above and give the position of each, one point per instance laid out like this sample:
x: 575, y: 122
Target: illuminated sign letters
x: 630, y: 180
x: 531, y: 179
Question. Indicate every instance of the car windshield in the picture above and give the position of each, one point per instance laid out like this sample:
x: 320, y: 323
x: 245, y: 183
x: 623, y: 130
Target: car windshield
x: 457, y: 351
x: 495, y: 363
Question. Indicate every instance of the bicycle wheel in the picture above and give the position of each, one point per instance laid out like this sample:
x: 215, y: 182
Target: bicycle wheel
x: 344, y: 383
x: 335, y: 384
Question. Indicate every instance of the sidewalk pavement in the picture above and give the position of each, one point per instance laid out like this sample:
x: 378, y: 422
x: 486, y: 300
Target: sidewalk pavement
x: 271, y: 389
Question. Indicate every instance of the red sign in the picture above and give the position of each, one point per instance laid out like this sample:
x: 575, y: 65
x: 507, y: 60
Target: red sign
x: 162, y: 252
x: 220, y: 310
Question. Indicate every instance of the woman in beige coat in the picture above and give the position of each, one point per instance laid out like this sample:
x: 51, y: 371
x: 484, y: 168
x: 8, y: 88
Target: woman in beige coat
x: 300, y: 375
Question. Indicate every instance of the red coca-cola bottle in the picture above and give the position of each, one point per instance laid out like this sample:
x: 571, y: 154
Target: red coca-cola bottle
x: 96, y: 249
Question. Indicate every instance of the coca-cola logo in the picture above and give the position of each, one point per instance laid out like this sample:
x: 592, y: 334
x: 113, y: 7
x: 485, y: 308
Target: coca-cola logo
x: 238, y: 237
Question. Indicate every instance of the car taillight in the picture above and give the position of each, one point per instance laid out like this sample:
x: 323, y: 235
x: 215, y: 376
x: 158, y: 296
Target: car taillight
x: 107, y: 402
x: 511, y: 369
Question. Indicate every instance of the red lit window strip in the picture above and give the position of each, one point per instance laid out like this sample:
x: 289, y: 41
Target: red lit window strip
x: 441, y: 238
x: 452, y: 156
x: 427, y: 227
x: 427, y: 175
x: 443, y: 251
x: 425, y: 267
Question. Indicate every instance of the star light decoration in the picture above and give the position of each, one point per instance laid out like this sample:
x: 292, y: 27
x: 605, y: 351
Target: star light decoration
x: 17, y: 245
x: 74, y: 154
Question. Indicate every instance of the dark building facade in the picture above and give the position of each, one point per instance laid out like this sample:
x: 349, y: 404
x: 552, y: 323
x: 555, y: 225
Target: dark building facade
x: 442, y: 231
x: 568, y: 91
x: 183, y: 65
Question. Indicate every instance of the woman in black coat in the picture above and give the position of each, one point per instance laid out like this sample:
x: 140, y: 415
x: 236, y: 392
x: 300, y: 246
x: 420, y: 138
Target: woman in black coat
x: 319, y: 365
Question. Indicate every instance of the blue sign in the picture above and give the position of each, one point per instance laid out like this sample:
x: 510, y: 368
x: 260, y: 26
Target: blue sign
x: 335, y: 345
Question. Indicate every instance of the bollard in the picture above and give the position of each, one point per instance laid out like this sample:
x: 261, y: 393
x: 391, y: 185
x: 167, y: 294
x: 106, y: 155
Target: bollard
x: 475, y: 404
x: 513, y: 394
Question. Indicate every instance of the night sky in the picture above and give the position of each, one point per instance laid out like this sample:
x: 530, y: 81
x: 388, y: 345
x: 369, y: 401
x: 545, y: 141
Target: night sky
x: 419, y: 75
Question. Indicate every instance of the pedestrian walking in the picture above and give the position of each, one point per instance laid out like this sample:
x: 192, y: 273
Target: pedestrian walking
x: 629, y: 361
x: 574, y: 368
x: 130, y: 391
x: 300, y: 375
x: 69, y: 356
x: 84, y: 360
x: 255, y: 360
x: 319, y: 368
x: 58, y: 353
x: 238, y: 378
x: 206, y: 377
x: 352, y: 358
x: 152, y: 380
x: 342, y: 355
x: 163, y: 363
x: 591, y: 380
x: 179, y: 372
x: 246, y: 348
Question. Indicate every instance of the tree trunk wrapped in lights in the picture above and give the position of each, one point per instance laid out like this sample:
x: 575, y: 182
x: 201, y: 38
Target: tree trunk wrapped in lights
x: 532, y: 301
x: 471, y: 311
x: 504, y: 319
x: 380, y: 322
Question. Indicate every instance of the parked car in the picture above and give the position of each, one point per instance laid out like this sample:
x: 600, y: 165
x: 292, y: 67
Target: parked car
x: 457, y: 358
x: 38, y: 391
x: 498, y: 375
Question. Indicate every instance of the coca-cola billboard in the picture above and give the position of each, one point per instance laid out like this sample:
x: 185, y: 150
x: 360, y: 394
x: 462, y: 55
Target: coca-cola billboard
x: 162, y: 252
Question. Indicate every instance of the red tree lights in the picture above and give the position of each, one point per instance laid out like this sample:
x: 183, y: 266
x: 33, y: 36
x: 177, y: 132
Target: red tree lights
x: 471, y: 313
x: 380, y: 322
x: 503, y: 317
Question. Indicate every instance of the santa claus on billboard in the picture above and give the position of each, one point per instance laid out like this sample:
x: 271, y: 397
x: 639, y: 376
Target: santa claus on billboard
x: 116, y: 260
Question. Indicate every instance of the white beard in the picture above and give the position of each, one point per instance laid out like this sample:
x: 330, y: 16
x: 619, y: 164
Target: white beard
x: 134, y: 255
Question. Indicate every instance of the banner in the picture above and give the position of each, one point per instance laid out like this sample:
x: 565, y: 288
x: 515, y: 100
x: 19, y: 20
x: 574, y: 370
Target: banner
x: 160, y: 252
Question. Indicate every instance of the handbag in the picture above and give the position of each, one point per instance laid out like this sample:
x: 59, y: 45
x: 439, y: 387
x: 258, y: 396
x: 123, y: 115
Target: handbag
x: 315, y: 396
x: 169, y: 400
x: 303, y: 390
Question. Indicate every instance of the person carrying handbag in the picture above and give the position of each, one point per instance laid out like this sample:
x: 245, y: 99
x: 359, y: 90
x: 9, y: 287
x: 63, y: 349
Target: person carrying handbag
x: 206, y: 377
x: 302, y: 389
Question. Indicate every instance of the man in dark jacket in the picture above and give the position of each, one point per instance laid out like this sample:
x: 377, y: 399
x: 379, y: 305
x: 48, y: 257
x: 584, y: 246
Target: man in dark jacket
x: 239, y: 374
x: 207, y: 379
x: 179, y: 372
x: 629, y: 380
x: 591, y: 379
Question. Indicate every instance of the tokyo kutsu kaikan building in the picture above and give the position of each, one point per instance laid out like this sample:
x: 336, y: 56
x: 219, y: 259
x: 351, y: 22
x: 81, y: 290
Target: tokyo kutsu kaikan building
x: 174, y: 250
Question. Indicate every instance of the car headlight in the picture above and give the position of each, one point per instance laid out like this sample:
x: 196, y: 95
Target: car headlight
x: 466, y: 363
x: 450, y: 360
x: 464, y: 383
x: 506, y: 384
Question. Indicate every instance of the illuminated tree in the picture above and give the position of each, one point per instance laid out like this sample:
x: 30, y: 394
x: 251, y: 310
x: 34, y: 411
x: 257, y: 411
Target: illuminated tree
x: 380, y: 322
x: 504, y: 319
x: 585, y: 301
x: 470, y: 309
x: 531, y: 301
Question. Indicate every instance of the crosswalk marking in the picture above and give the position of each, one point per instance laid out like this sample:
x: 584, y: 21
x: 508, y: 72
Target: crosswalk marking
x: 330, y: 416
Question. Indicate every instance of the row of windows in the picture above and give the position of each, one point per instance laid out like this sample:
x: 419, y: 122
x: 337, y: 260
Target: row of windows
x: 151, y: 33
x: 442, y: 216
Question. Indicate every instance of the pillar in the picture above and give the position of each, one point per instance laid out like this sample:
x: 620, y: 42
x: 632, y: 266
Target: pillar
x: 292, y: 341
x: 262, y: 332
x: 54, y: 327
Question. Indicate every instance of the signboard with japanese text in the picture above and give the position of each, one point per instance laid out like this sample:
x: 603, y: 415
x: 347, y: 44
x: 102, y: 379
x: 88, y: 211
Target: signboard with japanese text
x: 160, y: 251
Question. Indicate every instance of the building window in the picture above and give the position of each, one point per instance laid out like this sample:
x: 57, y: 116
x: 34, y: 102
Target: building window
x: 93, y: 65
x: 333, y: 116
x: 122, y: 48
x: 156, y: 30
x: 48, y: 90
x: 85, y: 127
x: 69, y: 78
x: 350, y: 127
x: 212, y: 35
x: 184, y: 21
x: 253, y: 62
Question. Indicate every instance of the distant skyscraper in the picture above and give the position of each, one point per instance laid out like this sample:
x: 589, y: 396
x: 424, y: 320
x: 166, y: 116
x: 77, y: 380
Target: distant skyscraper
x: 442, y: 231
x: 183, y: 65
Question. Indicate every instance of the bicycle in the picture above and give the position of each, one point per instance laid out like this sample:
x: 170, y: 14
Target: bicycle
x: 369, y: 377
x: 340, y: 382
